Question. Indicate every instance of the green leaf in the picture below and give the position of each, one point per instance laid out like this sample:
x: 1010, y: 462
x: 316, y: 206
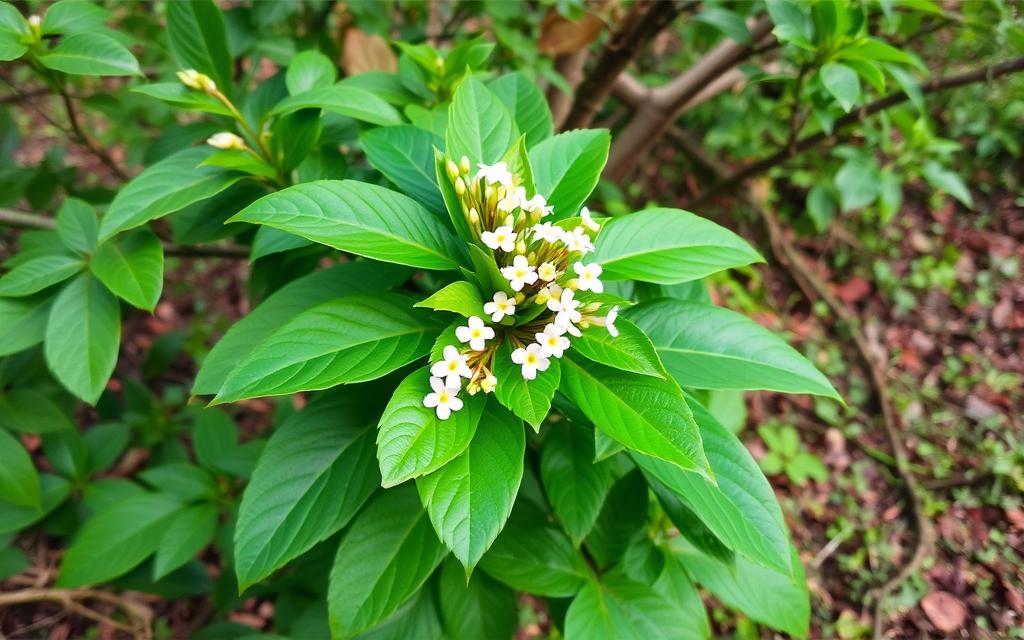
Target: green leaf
x: 405, y: 155
x: 23, y: 322
x: 566, y: 168
x: 11, y: 47
x: 25, y: 410
x: 942, y: 178
x: 199, y: 39
x: 858, y: 182
x: 741, y: 509
x: 728, y: 22
x: 66, y: 453
x: 90, y: 54
x: 481, y: 608
x: 668, y: 246
x: 412, y: 441
x: 316, y: 472
x: 19, y: 481
x: 345, y: 99
x: 360, y: 218
x: 573, y: 482
x: 181, y: 96
x: 792, y: 24
x: 132, y: 268
x: 386, y: 556
x: 73, y: 16
x: 418, y: 618
x: 533, y: 556
x: 528, y: 399
x: 117, y: 539
x: 470, y: 498
x: 459, y: 297
x: 525, y: 101
x: 77, y: 225
x: 12, y: 560
x: 618, y: 607
x: 644, y: 413
x: 779, y: 600
x: 215, y: 442
x: 53, y: 491
x: 36, y: 274
x: 821, y: 206
x: 453, y: 204
x: 185, y: 481
x: 631, y: 350
x: 689, y: 523
x: 842, y: 82
x: 184, y: 535
x: 82, y: 337
x: 708, y: 347
x: 350, y: 339
x: 11, y: 20
x: 479, y: 125
x: 621, y: 520
x: 875, y: 50
x: 168, y: 186
x: 287, y: 303
x: 309, y: 70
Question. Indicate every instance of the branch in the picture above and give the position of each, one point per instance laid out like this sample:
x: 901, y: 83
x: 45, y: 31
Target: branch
x: 71, y: 599
x: 645, y: 20
x: 730, y: 183
x: 86, y: 139
x: 25, y: 220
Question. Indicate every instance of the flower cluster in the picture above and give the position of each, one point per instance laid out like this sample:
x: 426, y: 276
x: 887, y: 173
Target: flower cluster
x: 546, y: 269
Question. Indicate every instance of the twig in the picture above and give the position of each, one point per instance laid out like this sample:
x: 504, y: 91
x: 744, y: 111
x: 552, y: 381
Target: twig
x: 22, y: 219
x: 86, y: 140
x: 734, y: 180
x: 71, y: 599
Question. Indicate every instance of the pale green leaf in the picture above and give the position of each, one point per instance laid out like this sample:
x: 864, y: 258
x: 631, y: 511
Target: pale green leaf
x: 528, y: 399
x: 566, y: 168
x: 526, y: 102
x: 90, y: 54
x: 631, y: 350
x: 309, y: 70
x: 19, y: 480
x: 132, y: 267
x: 77, y: 224
x: 459, y: 297
x: 345, y: 99
x: 36, y: 274
x: 479, y: 125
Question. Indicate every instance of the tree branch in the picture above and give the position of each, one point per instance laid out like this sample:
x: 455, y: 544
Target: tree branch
x: 734, y: 180
x: 646, y: 19
x: 71, y: 599
x: 86, y: 139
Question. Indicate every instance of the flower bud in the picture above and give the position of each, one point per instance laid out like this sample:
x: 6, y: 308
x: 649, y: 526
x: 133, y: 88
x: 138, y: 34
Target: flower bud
x: 510, y: 221
x: 474, y: 216
x: 520, y: 297
x: 464, y: 164
x: 475, y: 185
x: 226, y: 140
x: 472, y: 388
x: 521, y: 248
x: 460, y: 186
x: 573, y: 284
x: 488, y: 383
x: 453, y: 170
x: 543, y: 296
x: 439, y: 61
x: 35, y: 27
x: 198, y: 81
x: 592, y: 307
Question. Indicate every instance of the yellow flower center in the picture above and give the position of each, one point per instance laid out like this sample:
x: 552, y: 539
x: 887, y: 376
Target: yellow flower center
x: 453, y: 365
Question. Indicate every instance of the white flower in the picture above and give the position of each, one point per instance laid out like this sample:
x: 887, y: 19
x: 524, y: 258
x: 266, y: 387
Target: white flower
x: 587, y: 277
x: 443, y: 400
x: 578, y: 240
x: 548, y: 232
x: 500, y: 307
x: 512, y: 199
x: 536, y: 203
x: 226, y: 140
x: 609, y: 321
x: 520, y: 273
x: 531, y: 359
x: 476, y: 333
x: 496, y: 173
x: 547, y: 272
x: 501, y: 238
x: 451, y: 368
x: 552, y: 341
x: 566, y: 310
x: 588, y: 221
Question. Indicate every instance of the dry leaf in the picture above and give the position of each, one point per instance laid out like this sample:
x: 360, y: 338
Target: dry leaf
x: 559, y: 35
x: 363, y: 52
x: 944, y: 610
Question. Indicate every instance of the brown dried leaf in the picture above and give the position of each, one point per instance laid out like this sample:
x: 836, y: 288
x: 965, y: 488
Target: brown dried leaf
x: 944, y: 610
x: 559, y: 35
x: 364, y: 52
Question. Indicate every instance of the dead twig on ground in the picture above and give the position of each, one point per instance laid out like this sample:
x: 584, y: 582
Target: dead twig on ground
x: 73, y: 600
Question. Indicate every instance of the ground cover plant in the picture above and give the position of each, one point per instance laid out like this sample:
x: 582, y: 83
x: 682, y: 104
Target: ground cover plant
x: 336, y: 320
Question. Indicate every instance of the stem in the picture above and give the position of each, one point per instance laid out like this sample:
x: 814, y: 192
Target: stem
x: 86, y: 139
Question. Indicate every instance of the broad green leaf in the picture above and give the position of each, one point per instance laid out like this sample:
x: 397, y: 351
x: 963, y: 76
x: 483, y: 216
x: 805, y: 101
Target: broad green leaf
x: 528, y: 399
x: 708, y: 347
x: 728, y: 22
x: 215, y: 442
x: 875, y: 50
x: 199, y: 39
x: 621, y: 520
x: 778, y: 600
x: 741, y: 510
x: 534, y: 556
x: 412, y: 441
x: 53, y: 490
x: 405, y: 155
x: 181, y: 96
x: 73, y: 16
x: 287, y: 303
x: 567, y: 166
x: 26, y: 410
x: 858, y: 182
x: 949, y: 181
x: 19, y: 481
x: 384, y: 558
x: 792, y: 24
x: 621, y: 608
x: 309, y: 70
x: 459, y: 297
x: 83, y: 334
x: 645, y: 414
x: 11, y: 20
x: 36, y: 274
x: 23, y: 322
x: 90, y: 54
x: 184, y: 480
x: 316, y: 472
x: 668, y: 246
x: 350, y: 339
x: 842, y: 82
x: 184, y: 535
x: 525, y: 101
x: 418, y: 618
x: 470, y: 498
x: 655, y: 566
x: 65, y: 451
x: 631, y: 350
x: 132, y: 267
x: 345, y: 99
x: 269, y: 241
x: 360, y: 218
x: 479, y: 125
x: 167, y: 186
x: 481, y: 608
x: 11, y: 46
x: 117, y: 539
x: 573, y: 482
x: 77, y: 224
